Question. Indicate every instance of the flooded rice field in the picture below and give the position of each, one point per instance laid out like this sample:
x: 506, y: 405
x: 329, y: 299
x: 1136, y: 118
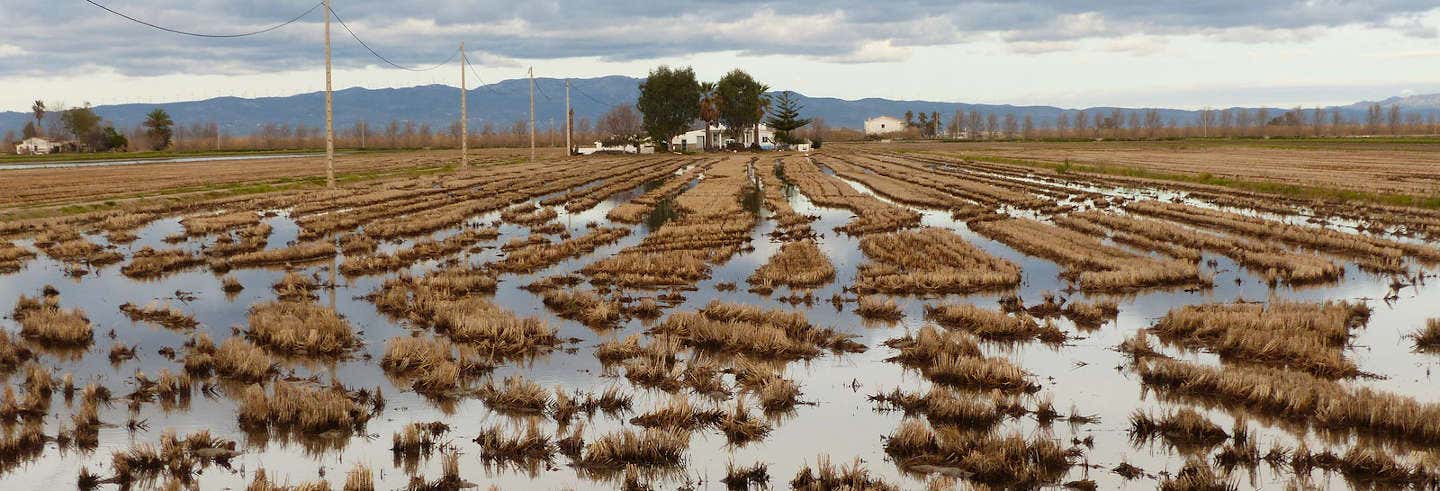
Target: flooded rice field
x: 876, y: 320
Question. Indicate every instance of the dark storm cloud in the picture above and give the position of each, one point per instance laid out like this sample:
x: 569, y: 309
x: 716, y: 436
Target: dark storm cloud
x: 72, y: 36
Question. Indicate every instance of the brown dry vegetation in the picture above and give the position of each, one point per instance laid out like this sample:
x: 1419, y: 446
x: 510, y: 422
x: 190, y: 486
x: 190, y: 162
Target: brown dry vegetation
x: 13, y: 257
x: 872, y: 215
x: 528, y: 214
x: 636, y: 209
x: 236, y: 358
x: 301, y: 252
x: 585, y: 306
x: 789, y: 225
x: 989, y: 324
x: 151, y: 264
x: 1180, y: 427
x: 423, y: 249
x: 1095, y: 266
x: 826, y: 476
x: 798, y: 264
x: 930, y: 260
x: 1380, y: 166
x: 536, y: 255
x: 1010, y: 460
x: 42, y: 186
x: 1303, y: 336
x: 43, y: 320
x: 711, y: 227
x: 900, y: 185
x: 1271, y: 261
x: 1375, y: 253
x: 954, y: 358
x: 293, y: 406
x: 295, y: 286
x: 301, y: 328
x: 1427, y: 338
x: 163, y: 314
x: 750, y: 330
x: 647, y: 448
x: 725, y: 354
x: 481, y: 324
x: 1298, y: 397
x: 633, y: 177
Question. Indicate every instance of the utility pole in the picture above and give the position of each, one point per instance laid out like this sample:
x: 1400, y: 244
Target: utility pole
x: 329, y: 109
x: 464, y: 121
x: 569, y: 115
x: 532, y: 114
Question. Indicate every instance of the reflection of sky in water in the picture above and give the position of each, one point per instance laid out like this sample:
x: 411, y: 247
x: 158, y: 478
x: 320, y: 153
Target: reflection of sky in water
x: 1084, y: 373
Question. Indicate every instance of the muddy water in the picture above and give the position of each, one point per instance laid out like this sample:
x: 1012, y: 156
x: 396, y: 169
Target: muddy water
x: 837, y: 420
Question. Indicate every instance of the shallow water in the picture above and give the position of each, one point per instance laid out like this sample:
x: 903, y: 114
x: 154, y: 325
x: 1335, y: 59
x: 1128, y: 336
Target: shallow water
x: 838, y: 420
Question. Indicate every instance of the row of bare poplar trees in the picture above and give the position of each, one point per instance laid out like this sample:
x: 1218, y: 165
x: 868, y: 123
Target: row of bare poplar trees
x: 1150, y: 123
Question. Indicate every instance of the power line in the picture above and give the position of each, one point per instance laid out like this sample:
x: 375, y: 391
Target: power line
x: 542, y: 91
x: 478, y: 78
x: 204, y: 35
x: 588, y: 96
x: 382, y: 58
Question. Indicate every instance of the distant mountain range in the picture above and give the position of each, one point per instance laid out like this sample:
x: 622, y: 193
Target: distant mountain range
x: 503, y: 103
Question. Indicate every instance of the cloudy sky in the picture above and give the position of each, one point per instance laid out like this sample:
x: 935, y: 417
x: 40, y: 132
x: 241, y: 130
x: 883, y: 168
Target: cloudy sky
x: 1054, y: 52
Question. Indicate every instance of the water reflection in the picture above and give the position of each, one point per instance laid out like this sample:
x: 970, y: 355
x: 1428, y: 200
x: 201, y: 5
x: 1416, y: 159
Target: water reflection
x: 1086, y: 372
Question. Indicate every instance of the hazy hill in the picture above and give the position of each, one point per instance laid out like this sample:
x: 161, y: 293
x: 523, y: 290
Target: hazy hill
x: 503, y: 103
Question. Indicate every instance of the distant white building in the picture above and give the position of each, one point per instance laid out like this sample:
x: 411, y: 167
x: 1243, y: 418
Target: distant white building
x: 695, y: 139
x: 601, y: 147
x: 881, y: 125
x: 37, y: 145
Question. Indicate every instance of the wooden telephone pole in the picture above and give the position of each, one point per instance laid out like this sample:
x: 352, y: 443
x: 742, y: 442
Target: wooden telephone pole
x: 329, y: 109
x: 569, y: 117
x: 532, y: 114
x: 464, y: 120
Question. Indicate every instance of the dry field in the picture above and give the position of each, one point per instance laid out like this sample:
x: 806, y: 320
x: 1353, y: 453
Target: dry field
x: 709, y: 321
x: 1384, y: 167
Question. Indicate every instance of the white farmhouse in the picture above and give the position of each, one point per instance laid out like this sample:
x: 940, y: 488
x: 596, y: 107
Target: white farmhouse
x: 881, y: 125
x: 645, y: 147
x: 695, y: 139
x: 37, y: 145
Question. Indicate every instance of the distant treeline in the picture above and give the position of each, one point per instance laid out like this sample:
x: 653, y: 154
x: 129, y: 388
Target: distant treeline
x: 82, y: 125
x: 1148, y: 124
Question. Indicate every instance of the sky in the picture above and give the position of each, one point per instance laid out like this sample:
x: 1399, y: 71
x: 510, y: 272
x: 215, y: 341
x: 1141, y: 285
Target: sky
x: 1068, y: 53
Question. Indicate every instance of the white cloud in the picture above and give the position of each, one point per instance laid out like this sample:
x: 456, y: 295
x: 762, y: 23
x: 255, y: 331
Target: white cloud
x: 1138, y: 45
x: 1041, y: 47
x: 873, y: 52
x: 10, y: 50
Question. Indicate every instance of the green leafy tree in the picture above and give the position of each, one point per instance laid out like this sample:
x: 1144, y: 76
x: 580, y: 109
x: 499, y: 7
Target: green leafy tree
x: 742, y: 101
x: 709, y: 109
x: 30, y: 130
x: 159, y: 128
x: 114, y: 140
x: 669, y: 101
x: 786, y: 118
x: 84, y: 125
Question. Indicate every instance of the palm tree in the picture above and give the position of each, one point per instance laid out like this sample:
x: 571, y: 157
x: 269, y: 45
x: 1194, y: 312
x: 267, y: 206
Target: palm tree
x: 38, y: 108
x: 158, y: 126
x: 709, y: 108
